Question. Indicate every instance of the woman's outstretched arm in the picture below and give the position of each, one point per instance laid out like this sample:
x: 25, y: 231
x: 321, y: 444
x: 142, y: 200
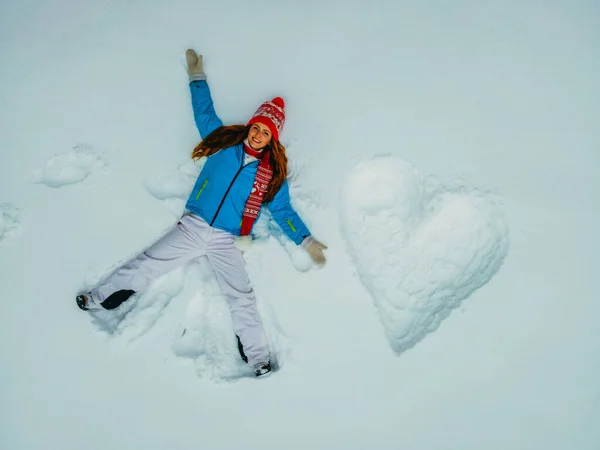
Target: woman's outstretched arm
x: 290, y: 222
x: 286, y: 217
x: 204, y: 111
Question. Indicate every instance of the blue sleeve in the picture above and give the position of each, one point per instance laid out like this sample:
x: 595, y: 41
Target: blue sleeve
x: 204, y: 112
x: 285, y: 216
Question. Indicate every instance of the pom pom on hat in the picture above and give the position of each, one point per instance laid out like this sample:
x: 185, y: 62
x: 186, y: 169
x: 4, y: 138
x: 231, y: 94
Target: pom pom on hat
x: 271, y: 114
x: 279, y: 102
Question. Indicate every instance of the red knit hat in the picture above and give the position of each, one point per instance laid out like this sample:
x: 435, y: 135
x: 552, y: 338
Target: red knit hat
x: 271, y: 114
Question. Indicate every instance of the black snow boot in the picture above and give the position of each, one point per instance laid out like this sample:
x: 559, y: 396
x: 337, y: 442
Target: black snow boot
x: 86, y: 302
x: 262, y: 369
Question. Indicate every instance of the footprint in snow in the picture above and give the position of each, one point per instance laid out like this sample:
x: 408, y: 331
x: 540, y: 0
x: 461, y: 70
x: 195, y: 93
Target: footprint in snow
x: 9, y: 221
x: 420, y: 245
x: 70, y: 167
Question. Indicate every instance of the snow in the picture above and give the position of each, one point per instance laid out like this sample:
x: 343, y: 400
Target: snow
x: 420, y: 245
x: 9, y: 221
x: 208, y: 336
x: 70, y: 167
x: 446, y: 154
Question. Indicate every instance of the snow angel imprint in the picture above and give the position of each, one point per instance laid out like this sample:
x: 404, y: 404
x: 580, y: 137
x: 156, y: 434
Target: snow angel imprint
x: 245, y: 170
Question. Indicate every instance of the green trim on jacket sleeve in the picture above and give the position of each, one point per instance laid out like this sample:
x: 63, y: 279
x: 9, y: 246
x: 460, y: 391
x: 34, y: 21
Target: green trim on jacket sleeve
x: 286, y: 217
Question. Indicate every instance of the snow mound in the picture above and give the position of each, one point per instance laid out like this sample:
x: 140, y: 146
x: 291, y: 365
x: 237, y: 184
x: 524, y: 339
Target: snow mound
x: 9, y: 220
x: 421, y: 245
x: 208, y: 336
x: 70, y: 167
x: 174, y: 186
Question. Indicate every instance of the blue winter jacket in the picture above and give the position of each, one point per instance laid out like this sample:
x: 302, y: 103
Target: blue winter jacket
x: 224, y: 184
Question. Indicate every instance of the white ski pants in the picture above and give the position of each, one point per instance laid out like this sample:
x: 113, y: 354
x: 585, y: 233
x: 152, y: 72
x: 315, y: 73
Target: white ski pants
x: 190, y: 238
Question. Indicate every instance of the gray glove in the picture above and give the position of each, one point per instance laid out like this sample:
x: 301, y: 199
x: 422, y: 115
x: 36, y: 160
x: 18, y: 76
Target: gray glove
x: 194, y: 63
x: 315, y: 249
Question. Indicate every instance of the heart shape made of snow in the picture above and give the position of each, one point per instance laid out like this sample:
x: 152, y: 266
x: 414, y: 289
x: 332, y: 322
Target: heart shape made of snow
x: 420, y: 245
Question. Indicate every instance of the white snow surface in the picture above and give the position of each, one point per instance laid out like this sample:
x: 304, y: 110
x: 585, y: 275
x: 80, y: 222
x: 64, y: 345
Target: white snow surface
x: 70, y: 167
x: 447, y: 154
x: 9, y: 221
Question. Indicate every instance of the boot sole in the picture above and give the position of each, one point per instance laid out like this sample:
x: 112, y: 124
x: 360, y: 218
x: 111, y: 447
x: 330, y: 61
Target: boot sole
x: 80, y: 299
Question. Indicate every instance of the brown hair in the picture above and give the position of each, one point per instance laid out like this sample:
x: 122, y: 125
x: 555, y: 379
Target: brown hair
x: 228, y: 136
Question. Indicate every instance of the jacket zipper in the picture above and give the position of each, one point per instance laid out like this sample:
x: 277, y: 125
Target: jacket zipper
x: 227, y: 192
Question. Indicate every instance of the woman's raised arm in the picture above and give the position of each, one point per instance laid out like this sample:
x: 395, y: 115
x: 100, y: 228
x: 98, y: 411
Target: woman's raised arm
x: 204, y: 111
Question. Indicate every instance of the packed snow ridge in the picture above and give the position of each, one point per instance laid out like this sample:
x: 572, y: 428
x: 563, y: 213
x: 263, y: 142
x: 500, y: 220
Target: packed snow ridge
x: 421, y: 245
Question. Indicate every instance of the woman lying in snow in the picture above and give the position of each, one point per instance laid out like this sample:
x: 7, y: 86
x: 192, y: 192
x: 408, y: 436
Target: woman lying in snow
x: 246, y: 168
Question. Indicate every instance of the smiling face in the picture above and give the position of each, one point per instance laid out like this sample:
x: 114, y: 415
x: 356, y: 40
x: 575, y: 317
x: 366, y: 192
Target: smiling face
x: 259, y: 136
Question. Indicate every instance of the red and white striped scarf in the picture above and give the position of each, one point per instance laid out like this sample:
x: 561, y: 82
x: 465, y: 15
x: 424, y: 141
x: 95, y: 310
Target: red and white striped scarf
x: 261, y: 182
